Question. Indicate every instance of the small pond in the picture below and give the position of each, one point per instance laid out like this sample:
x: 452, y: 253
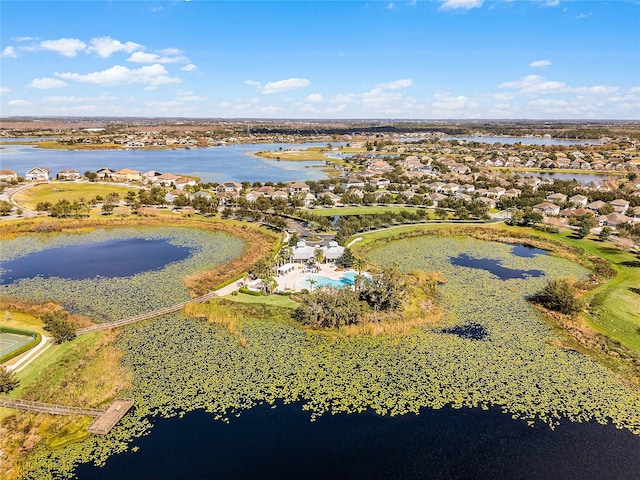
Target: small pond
x: 493, y: 266
x: 114, y: 258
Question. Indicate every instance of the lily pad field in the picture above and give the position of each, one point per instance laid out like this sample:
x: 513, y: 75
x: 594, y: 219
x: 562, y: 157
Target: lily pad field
x: 179, y: 364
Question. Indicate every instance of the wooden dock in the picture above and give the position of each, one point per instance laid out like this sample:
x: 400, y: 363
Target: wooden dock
x: 104, y: 421
x: 111, y: 416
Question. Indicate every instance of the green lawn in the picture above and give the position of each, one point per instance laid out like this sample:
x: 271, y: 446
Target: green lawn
x: 56, y: 191
x: 361, y: 210
x: 618, y: 313
x: 274, y: 300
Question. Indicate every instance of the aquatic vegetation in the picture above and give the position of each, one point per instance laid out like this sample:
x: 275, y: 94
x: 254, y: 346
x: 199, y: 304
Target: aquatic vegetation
x: 108, y: 299
x: 195, y: 364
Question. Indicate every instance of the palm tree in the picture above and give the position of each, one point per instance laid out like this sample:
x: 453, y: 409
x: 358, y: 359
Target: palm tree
x: 318, y: 255
x: 312, y: 282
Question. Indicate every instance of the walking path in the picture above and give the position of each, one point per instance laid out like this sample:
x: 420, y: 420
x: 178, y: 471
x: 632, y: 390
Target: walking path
x: 31, y: 355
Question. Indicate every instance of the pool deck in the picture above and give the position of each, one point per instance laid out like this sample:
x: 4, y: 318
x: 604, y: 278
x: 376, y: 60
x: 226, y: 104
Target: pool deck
x: 288, y: 282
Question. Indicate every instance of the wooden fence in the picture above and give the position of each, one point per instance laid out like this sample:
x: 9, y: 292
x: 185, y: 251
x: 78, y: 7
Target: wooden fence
x: 40, y: 407
x: 144, y: 316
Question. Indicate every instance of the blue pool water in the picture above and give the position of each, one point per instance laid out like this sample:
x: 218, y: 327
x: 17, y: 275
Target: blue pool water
x: 321, y: 281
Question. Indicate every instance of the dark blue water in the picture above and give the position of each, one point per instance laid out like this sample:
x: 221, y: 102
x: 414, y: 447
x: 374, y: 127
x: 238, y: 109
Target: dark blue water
x: 526, y: 251
x: 282, y: 443
x: 493, y: 266
x: 113, y: 258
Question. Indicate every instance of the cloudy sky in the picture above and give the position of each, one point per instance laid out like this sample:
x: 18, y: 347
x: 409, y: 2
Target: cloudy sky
x: 424, y: 59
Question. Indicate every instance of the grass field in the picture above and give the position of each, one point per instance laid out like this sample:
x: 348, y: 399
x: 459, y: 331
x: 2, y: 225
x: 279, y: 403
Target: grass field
x: 273, y: 300
x: 56, y: 191
x: 362, y: 210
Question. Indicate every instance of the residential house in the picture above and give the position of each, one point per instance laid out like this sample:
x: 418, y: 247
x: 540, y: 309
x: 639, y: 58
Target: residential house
x: 38, y: 174
x: 379, y: 182
x: 127, y: 175
x: 613, y: 220
x: 229, y: 187
x: 557, y: 198
x: 68, y: 175
x: 165, y: 179
x: 547, y: 208
x: 298, y: 187
x: 619, y: 205
x: 105, y: 173
x: 8, y: 176
x: 171, y: 196
x: 183, y: 182
x: 579, y: 200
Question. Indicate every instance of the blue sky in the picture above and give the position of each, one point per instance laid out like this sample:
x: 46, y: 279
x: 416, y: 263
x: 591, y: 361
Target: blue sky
x: 438, y: 59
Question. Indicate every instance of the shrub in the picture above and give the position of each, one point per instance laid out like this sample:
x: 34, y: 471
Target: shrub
x: 8, y: 380
x: 560, y: 296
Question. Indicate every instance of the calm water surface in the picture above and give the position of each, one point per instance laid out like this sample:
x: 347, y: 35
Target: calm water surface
x: 493, y: 266
x: 525, y: 140
x: 114, y: 258
x: 282, y: 443
x: 211, y: 164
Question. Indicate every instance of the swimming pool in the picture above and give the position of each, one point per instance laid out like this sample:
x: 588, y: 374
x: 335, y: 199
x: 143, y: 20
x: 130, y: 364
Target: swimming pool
x: 347, y: 278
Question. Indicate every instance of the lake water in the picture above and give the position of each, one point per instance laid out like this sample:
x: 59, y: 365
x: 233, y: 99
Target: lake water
x: 282, y: 443
x: 211, y: 164
x: 114, y: 258
x: 580, y: 177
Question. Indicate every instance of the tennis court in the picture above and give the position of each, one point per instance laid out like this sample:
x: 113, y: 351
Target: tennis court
x: 12, y: 341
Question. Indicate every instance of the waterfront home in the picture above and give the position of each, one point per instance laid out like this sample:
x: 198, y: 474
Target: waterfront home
x: 298, y: 187
x: 8, y: 176
x: 229, y: 187
x: 38, y: 174
x: 183, y: 182
x: 171, y: 196
x: 104, y: 173
x: 127, y: 175
x: 68, y: 175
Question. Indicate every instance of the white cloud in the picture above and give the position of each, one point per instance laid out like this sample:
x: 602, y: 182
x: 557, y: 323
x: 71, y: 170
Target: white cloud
x: 24, y: 39
x: 19, y: 103
x: 540, y: 63
x: 315, y: 98
x: 634, y: 90
x: 151, y: 75
x: 280, y: 85
x: 69, y: 47
x: 580, y: 16
x: 144, y: 57
x: 551, y: 3
x: 463, y: 4
x: 104, y: 47
x: 391, y: 6
x: 192, y: 98
x: 534, y: 84
x: 189, y: 68
x: 170, y: 51
x: 9, y: 52
x: 396, y: 84
x: 46, y: 83
x: 4, y: 90
x: 63, y: 99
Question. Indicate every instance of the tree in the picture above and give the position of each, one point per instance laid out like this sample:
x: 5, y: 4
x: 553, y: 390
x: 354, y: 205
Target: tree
x: 605, y: 234
x: 441, y: 213
x: 59, y: 325
x: 347, y: 259
x: 560, y: 296
x: 318, y: 255
x: 8, y: 380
